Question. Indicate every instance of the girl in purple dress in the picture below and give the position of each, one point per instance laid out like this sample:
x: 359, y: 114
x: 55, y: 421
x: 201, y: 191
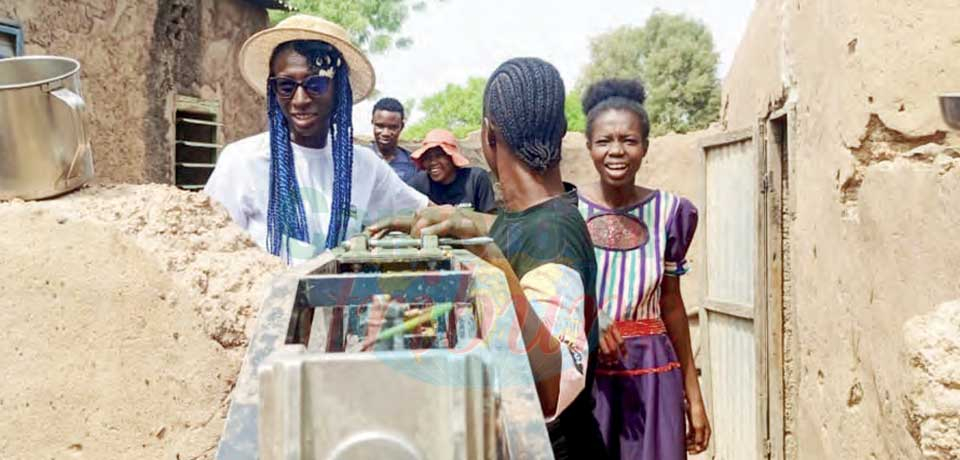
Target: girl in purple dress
x: 646, y: 381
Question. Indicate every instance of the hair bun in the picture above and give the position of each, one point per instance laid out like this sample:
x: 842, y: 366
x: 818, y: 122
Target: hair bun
x: 613, y: 87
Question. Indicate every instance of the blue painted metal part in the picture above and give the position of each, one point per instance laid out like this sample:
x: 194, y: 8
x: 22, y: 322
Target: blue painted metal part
x: 359, y: 288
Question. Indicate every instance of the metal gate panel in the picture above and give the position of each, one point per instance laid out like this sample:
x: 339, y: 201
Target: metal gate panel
x: 730, y: 311
x: 733, y: 368
x: 731, y: 223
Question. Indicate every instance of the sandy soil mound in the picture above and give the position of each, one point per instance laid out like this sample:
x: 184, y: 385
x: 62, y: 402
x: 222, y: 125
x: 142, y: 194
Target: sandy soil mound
x: 124, y: 310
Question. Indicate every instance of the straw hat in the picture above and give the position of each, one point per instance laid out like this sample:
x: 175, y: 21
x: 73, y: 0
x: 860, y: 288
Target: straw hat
x: 256, y: 52
x: 446, y: 141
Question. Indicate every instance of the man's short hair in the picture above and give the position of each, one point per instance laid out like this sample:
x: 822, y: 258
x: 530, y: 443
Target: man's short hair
x: 389, y: 104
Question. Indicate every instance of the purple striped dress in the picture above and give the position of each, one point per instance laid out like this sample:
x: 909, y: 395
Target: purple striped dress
x: 639, y: 400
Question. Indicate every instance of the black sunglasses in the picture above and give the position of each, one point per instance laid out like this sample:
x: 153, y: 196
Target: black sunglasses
x: 315, y: 85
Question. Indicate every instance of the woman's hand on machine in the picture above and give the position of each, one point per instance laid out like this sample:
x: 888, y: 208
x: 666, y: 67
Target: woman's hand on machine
x: 446, y: 221
x: 399, y: 223
x: 443, y: 221
x: 411, y: 224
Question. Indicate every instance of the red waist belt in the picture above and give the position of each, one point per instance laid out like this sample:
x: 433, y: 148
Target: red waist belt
x: 636, y: 329
x: 641, y: 327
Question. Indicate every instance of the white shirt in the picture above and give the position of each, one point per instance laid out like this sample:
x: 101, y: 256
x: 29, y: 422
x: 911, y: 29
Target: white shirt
x: 241, y: 183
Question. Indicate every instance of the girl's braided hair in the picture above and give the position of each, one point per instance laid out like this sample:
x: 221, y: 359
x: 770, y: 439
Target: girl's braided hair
x: 286, y: 217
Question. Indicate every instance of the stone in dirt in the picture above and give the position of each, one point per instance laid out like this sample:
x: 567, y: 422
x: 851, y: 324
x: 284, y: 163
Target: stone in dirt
x: 934, y: 403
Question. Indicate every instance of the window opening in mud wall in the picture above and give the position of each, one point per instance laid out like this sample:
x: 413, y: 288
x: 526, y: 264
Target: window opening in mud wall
x: 198, y: 141
x: 11, y: 39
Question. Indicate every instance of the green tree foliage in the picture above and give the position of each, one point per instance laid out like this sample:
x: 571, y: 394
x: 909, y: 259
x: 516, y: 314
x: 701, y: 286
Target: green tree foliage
x: 616, y: 54
x: 458, y: 108
x: 675, y: 58
x: 576, y: 120
x: 373, y: 24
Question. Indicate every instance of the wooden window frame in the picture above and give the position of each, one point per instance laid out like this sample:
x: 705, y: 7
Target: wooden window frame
x: 184, y: 107
x: 8, y: 27
x: 778, y: 130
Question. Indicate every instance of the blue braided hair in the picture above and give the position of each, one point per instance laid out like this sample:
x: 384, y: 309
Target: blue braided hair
x: 286, y: 217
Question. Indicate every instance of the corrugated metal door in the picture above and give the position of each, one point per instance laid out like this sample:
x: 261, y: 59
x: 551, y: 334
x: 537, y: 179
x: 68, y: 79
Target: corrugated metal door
x: 731, y: 309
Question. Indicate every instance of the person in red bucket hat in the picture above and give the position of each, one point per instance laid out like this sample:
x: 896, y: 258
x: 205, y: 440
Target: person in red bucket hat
x: 447, y: 178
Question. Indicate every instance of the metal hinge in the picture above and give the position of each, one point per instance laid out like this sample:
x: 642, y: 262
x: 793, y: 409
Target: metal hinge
x: 767, y: 182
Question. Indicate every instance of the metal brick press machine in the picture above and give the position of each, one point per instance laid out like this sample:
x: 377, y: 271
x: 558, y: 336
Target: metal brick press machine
x: 396, y: 348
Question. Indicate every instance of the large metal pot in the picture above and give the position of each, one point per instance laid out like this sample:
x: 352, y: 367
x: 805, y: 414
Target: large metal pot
x: 44, y: 147
x: 950, y: 108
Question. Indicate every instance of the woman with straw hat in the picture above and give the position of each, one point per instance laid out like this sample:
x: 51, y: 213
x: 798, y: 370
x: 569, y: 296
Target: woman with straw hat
x: 303, y: 186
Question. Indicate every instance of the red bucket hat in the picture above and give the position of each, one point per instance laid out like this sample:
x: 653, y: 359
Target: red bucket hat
x: 446, y: 141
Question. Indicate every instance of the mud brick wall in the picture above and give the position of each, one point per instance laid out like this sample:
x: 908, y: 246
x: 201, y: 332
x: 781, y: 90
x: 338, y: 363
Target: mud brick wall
x: 136, y: 56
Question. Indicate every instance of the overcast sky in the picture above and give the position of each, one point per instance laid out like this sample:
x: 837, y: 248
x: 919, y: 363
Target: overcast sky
x: 457, y: 39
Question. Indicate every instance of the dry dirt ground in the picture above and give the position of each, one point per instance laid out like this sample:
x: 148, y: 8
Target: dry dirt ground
x: 125, y: 312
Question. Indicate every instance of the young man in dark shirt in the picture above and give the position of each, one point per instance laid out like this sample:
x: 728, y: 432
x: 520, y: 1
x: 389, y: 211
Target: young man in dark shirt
x: 541, y: 244
x: 388, y: 122
x: 446, y: 178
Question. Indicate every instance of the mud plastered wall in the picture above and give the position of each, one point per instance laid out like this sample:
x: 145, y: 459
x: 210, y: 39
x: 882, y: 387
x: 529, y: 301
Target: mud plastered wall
x: 109, y: 38
x: 194, y: 52
x: 227, y: 25
x: 135, y: 57
x: 874, y: 179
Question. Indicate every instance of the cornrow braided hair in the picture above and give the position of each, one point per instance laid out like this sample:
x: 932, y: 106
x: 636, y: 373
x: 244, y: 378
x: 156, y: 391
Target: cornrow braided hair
x: 525, y: 98
x: 286, y: 217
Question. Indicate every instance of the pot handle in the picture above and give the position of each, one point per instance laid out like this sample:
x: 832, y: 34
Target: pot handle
x: 78, y: 110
